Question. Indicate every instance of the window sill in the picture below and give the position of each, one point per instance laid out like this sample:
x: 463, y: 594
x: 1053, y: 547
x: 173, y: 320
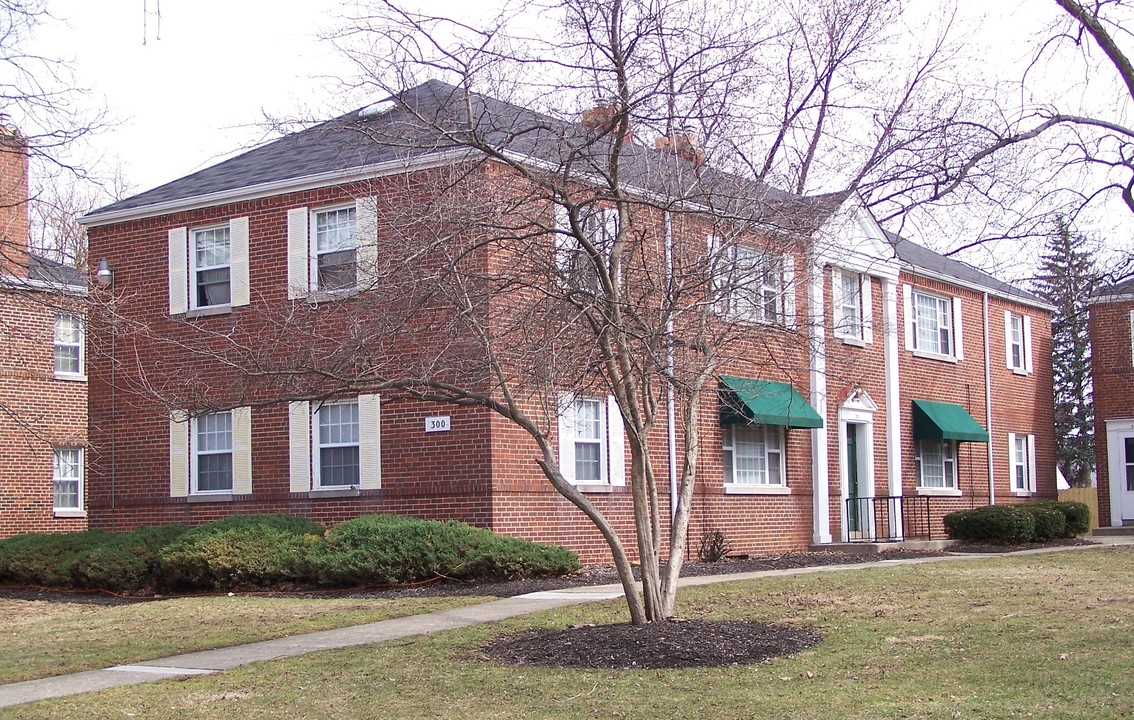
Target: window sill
x: 208, y: 311
x: 59, y: 513
x: 337, y: 492
x: 936, y: 356
x: 314, y: 297
x: 209, y: 497
x: 71, y: 377
x: 1023, y: 493
x: 595, y: 488
x: 1021, y: 373
x: 737, y: 489
x: 938, y: 492
x: 852, y: 341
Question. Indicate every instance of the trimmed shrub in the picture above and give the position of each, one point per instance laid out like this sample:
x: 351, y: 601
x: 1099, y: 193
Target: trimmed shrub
x: 242, y: 551
x: 1076, y: 515
x: 126, y: 562
x: 46, y: 559
x: 1000, y: 524
x: 399, y: 549
x: 1049, y: 522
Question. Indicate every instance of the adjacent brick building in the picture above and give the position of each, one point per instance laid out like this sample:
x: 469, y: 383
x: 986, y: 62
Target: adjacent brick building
x: 871, y: 386
x: 43, y: 394
x: 1112, y: 376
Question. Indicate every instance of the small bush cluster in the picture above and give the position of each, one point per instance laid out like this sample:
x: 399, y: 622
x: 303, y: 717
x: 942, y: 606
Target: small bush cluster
x: 1015, y: 524
x: 264, y: 551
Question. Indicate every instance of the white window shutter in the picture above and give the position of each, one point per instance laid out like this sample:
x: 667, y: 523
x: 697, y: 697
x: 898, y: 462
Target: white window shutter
x: 298, y: 264
x: 370, y: 441
x: 908, y: 308
x: 178, y: 455
x: 1027, y: 343
x: 1012, y: 460
x: 299, y: 445
x: 1008, y: 338
x: 242, y: 451
x: 616, y: 441
x: 567, y: 436
x: 1031, y: 463
x: 366, y: 230
x: 789, y: 290
x: 867, y: 309
x: 837, y: 300
x: 958, y: 330
x: 178, y: 270
x: 238, y: 245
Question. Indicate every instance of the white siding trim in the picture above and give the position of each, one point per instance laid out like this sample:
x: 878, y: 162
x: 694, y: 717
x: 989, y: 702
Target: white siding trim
x: 299, y: 445
x: 370, y: 442
x: 1008, y: 339
x: 1012, y: 462
x: 242, y: 451
x: 789, y: 291
x: 958, y: 330
x: 366, y: 234
x: 298, y: 265
x: 1031, y: 463
x: 238, y: 261
x: 908, y: 309
x: 567, y: 436
x: 178, y: 270
x: 616, y: 441
x: 867, y: 309
x: 178, y: 456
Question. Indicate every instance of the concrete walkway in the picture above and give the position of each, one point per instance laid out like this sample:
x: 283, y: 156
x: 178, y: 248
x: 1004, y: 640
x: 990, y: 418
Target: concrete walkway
x: 221, y: 659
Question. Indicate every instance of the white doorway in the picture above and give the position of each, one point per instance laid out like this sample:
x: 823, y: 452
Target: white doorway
x: 1120, y: 454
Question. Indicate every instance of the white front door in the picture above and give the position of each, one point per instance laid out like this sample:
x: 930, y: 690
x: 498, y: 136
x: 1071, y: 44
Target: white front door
x: 1120, y: 451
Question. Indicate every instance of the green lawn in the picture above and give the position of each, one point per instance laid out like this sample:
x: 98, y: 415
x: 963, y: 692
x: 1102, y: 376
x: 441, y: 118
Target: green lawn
x: 39, y: 638
x: 1044, y: 636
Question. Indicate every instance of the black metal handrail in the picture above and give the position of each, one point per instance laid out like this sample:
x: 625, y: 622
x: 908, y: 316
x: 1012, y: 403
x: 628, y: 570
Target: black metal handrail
x: 889, y: 518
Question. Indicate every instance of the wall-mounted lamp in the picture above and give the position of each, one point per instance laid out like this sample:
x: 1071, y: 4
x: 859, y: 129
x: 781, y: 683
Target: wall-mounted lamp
x: 104, y: 276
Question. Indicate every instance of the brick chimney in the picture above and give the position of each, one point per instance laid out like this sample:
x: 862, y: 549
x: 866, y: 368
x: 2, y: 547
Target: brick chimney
x: 603, y: 119
x: 684, y: 144
x: 14, y: 232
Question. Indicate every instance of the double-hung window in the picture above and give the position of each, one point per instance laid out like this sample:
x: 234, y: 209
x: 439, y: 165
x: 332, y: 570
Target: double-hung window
x: 590, y: 434
x: 852, y: 306
x: 67, y: 482
x: 208, y: 268
x: 933, y: 324
x: 753, y: 455
x: 334, y: 261
x: 333, y: 250
x: 1022, y: 462
x: 1017, y: 342
x: 337, y: 444
x: 211, y: 271
x: 936, y: 464
x: 212, y: 453
x: 68, y: 346
x: 750, y: 284
x: 574, y: 266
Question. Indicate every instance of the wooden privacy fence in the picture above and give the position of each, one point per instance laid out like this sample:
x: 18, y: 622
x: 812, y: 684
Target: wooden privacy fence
x: 1087, y: 496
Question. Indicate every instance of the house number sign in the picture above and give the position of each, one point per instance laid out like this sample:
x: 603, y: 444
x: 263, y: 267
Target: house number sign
x: 437, y: 424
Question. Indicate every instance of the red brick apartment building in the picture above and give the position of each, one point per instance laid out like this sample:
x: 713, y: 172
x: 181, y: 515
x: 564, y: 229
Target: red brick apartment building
x: 873, y: 385
x: 43, y: 389
x: 1112, y: 375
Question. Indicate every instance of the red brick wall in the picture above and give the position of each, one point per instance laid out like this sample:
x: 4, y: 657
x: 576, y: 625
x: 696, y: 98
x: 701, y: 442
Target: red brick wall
x: 1112, y: 373
x: 13, y: 204
x: 37, y: 412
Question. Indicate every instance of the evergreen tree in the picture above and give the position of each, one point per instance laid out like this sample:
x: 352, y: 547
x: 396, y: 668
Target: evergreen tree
x: 1067, y: 276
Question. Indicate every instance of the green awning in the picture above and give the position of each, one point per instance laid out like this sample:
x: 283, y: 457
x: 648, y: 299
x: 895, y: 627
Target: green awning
x: 945, y: 421
x: 765, y: 402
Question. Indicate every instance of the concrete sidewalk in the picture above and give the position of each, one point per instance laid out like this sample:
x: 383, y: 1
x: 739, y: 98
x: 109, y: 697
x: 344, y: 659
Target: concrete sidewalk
x: 221, y: 659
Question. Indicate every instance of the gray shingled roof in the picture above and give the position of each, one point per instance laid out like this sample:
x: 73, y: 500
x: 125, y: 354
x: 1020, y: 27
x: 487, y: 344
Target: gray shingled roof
x: 1117, y: 290
x: 923, y: 258
x: 46, y: 270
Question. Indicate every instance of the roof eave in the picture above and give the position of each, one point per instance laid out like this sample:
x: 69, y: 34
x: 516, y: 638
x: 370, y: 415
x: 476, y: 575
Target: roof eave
x: 977, y: 287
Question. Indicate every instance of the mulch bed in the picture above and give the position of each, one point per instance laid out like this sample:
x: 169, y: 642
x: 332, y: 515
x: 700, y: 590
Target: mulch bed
x: 673, y: 644
x: 989, y: 548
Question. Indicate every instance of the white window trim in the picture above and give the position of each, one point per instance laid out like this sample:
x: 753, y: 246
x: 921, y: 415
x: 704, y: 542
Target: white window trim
x: 1028, y: 465
x: 195, y: 454
x: 613, y: 465
x: 952, y: 486
x: 182, y: 277
x: 568, y: 252
x: 738, y: 488
x: 953, y: 306
x: 81, y: 375
x: 80, y: 481
x: 865, y: 334
x: 1025, y: 366
x: 303, y: 447
x: 317, y: 447
x: 194, y: 291
x: 723, y: 263
x: 313, y: 250
x: 182, y: 457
